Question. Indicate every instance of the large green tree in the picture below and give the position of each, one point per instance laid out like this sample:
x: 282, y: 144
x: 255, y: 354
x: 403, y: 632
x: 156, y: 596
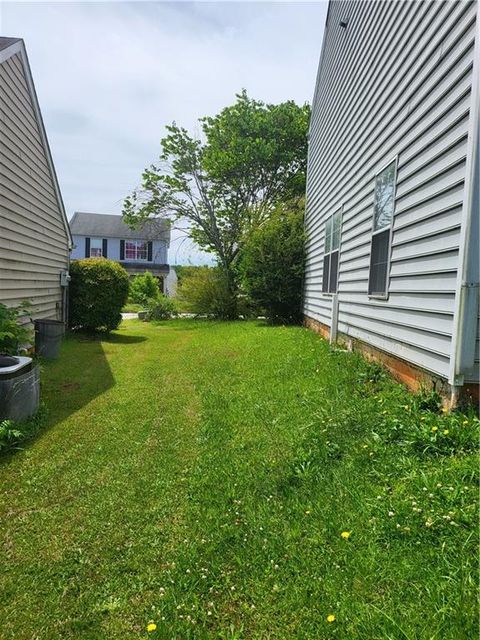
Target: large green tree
x: 273, y: 262
x: 251, y: 156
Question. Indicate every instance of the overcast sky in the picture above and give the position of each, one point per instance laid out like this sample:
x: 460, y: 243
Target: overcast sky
x: 110, y: 75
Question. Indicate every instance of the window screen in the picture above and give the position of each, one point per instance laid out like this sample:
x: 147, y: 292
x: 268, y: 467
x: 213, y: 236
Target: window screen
x: 331, y: 256
x: 382, y: 222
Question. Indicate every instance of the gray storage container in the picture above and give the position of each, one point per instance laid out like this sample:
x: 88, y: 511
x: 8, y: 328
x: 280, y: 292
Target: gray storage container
x: 48, y: 338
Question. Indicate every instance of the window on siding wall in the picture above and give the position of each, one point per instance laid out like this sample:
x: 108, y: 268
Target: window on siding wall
x: 331, y: 255
x: 96, y: 247
x: 383, y: 211
x: 136, y: 250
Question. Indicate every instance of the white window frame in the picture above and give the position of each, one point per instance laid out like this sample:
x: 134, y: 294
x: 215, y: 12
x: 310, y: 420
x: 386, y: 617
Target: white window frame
x: 100, y: 248
x: 389, y: 227
x: 136, y: 258
x: 331, y: 250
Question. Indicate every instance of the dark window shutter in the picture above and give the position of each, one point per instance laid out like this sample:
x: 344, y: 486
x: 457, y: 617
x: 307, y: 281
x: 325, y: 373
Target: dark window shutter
x: 122, y: 249
x: 377, y: 282
x: 326, y: 273
x: 87, y: 247
x: 332, y: 286
x: 104, y: 247
x: 149, y: 252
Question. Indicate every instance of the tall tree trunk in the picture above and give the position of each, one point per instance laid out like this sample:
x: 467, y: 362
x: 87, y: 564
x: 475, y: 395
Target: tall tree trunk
x: 230, y: 311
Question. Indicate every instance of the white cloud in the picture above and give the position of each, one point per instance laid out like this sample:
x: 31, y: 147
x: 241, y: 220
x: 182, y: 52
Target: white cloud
x: 110, y: 76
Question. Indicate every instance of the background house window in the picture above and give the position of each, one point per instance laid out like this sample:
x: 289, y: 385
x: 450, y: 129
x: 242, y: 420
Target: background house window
x: 96, y: 245
x: 382, y: 226
x: 331, y: 255
x: 136, y: 250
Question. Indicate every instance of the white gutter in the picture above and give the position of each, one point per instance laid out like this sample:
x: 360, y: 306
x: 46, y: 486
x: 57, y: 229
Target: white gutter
x: 467, y: 289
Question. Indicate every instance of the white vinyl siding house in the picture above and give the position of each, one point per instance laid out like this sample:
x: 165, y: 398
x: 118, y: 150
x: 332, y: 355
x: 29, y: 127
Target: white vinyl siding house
x: 34, y: 235
x: 104, y: 235
x: 391, y: 143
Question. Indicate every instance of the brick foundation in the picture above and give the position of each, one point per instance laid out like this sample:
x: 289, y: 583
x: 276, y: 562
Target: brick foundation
x: 412, y: 376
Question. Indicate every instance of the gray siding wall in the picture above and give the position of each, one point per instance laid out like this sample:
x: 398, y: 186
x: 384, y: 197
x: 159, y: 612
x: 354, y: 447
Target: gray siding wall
x: 395, y: 83
x: 33, y: 238
x: 159, y: 250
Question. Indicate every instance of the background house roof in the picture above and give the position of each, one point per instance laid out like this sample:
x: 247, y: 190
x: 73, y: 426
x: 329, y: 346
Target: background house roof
x: 103, y: 225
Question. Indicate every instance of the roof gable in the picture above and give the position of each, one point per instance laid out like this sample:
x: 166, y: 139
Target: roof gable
x: 15, y: 46
x: 112, y: 226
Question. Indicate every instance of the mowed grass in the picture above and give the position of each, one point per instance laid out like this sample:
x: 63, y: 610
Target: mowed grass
x: 199, y: 475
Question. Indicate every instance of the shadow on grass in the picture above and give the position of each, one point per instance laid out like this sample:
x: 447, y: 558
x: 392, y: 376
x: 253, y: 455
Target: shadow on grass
x: 80, y: 375
x: 119, y: 338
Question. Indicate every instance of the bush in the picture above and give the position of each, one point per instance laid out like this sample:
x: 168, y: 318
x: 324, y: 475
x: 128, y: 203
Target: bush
x: 98, y: 291
x: 9, y: 435
x: 204, y: 291
x: 13, y: 334
x: 161, y: 308
x: 273, y: 262
x: 13, y: 434
x: 143, y: 287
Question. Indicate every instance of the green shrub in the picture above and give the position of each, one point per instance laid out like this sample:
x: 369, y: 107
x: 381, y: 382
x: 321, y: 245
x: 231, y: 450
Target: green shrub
x: 204, y: 291
x: 161, y: 308
x: 13, y: 334
x: 9, y: 435
x: 184, y: 271
x: 13, y: 434
x: 143, y: 287
x: 98, y: 291
x: 272, y: 265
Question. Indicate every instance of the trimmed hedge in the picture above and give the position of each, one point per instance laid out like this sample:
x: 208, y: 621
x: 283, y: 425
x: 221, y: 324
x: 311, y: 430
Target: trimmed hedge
x: 98, y: 291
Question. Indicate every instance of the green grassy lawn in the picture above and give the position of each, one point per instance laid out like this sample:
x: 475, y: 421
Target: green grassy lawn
x: 199, y: 475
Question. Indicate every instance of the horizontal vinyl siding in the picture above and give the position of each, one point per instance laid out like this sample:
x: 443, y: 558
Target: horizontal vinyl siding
x: 33, y: 239
x: 394, y: 84
x: 159, y: 250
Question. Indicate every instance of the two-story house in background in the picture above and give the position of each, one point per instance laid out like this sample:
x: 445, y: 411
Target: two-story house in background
x: 98, y: 235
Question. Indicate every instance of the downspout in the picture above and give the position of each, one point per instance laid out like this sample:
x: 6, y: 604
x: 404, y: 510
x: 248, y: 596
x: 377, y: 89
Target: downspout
x: 334, y: 319
x: 467, y: 289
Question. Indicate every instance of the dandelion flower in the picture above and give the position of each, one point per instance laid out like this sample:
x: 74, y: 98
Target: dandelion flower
x: 446, y: 432
x: 331, y: 618
x: 434, y: 429
x: 151, y: 627
x: 345, y: 535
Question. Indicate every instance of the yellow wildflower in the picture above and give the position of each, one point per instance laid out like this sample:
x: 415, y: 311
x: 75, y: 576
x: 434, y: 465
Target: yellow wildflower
x: 446, y: 432
x: 434, y: 429
x: 444, y: 410
x: 331, y: 618
x: 151, y: 627
x: 345, y: 535
x: 465, y: 422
